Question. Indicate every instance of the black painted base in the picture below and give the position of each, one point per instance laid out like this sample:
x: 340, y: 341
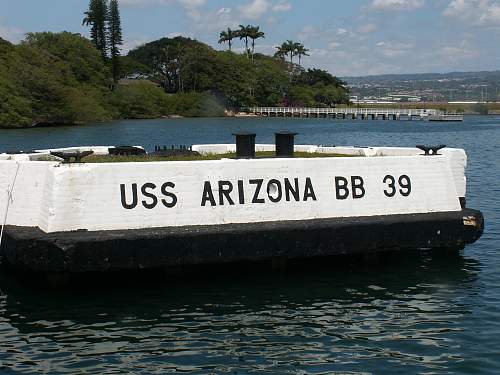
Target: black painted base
x: 82, y: 251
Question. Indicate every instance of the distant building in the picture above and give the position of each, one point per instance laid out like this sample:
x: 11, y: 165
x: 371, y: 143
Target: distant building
x: 405, y: 98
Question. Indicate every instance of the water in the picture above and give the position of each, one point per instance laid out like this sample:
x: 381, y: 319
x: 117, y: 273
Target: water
x: 417, y: 313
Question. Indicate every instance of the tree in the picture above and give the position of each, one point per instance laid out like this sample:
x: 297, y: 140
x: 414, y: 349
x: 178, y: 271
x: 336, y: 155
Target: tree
x: 280, y: 53
x: 96, y: 16
x: 289, y: 48
x: 254, y: 33
x: 115, y: 37
x: 227, y: 36
x: 244, y: 33
x: 300, y: 51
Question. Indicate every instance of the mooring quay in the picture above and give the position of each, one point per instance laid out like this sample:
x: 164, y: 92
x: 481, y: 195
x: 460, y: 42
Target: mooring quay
x: 357, y: 113
x: 255, y: 202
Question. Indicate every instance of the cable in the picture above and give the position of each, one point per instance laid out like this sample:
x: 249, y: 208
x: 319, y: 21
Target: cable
x: 9, y: 201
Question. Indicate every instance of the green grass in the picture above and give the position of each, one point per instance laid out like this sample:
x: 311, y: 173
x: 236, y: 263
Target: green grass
x: 230, y: 155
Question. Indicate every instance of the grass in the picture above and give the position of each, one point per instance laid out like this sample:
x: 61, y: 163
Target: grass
x: 230, y: 155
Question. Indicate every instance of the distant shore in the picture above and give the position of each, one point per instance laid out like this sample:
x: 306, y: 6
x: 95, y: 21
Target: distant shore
x: 462, y: 108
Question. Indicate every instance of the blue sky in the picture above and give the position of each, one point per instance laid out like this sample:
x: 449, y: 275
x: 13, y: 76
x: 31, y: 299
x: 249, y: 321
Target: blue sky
x: 348, y: 37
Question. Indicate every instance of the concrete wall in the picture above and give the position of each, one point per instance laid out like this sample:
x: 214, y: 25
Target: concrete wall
x: 59, y: 197
x: 30, y: 180
x: 457, y: 157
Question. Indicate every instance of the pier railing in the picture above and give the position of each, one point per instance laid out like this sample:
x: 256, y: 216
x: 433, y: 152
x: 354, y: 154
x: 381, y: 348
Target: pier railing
x: 291, y: 111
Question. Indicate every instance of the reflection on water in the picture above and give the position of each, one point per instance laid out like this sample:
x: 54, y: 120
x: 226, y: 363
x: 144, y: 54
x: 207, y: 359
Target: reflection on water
x: 356, y: 316
x: 409, y: 313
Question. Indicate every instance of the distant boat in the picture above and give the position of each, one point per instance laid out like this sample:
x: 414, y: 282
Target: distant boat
x: 446, y: 117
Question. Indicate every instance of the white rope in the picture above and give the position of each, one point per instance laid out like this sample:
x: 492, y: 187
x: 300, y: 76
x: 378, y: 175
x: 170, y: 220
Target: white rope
x: 9, y: 201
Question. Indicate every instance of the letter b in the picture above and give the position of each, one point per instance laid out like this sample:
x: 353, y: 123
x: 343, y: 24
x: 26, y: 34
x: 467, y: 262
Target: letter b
x: 341, y: 188
x: 358, y: 189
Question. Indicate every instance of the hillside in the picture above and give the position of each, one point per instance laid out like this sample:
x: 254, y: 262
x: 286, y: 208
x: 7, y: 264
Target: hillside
x: 61, y: 78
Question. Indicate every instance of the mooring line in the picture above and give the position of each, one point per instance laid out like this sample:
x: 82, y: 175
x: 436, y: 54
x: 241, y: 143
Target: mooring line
x: 9, y: 201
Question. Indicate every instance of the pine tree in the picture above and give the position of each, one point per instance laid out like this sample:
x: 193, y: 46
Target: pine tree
x: 96, y: 16
x: 115, y: 37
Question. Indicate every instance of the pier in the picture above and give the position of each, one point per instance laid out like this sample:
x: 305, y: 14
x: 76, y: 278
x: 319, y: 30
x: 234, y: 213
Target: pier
x: 356, y: 113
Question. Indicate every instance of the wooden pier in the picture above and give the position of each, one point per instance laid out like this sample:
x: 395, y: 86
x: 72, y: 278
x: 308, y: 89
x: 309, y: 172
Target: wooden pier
x: 356, y: 113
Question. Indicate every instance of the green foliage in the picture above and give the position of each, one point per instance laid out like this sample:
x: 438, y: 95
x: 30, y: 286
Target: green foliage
x: 129, y: 67
x: 227, y: 36
x: 194, y: 105
x: 480, y: 108
x: 143, y: 100
x: 96, y: 17
x: 15, y: 109
x: 115, y: 37
x: 312, y: 77
x: 228, y: 155
x: 77, y: 52
x: 52, y: 78
x: 61, y: 78
x: 185, y: 65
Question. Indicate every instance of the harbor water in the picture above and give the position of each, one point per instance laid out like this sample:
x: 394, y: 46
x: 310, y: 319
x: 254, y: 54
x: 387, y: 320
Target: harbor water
x: 399, y: 313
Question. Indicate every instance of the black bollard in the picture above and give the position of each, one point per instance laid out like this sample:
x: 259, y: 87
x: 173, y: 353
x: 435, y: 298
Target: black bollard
x: 285, y: 144
x: 245, y: 145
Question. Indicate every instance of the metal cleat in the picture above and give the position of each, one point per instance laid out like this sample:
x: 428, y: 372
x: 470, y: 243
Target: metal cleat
x: 430, y: 150
x: 71, y: 157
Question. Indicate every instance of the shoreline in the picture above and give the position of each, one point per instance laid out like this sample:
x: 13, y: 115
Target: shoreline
x: 241, y: 115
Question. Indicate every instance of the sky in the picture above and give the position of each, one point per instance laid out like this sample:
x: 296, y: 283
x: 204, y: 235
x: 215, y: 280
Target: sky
x: 345, y: 37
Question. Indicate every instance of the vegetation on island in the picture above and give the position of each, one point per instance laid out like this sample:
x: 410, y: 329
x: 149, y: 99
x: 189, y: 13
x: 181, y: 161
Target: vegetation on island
x: 193, y: 157
x: 65, y: 78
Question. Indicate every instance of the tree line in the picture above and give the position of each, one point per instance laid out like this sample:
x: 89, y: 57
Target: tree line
x: 245, y: 32
x: 288, y: 48
x: 291, y: 49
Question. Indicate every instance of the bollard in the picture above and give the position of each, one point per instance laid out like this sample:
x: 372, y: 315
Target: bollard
x: 245, y: 145
x: 285, y: 144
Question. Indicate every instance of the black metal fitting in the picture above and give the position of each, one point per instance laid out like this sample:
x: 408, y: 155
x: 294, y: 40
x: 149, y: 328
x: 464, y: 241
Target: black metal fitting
x: 71, y: 157
x: 245, y: 145
x: 430, y: 150
x: 285, y: 144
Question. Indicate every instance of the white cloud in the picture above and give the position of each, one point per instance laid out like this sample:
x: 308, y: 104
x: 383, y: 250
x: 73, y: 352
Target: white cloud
x: 396, y: 4
x: 255, y: 9
x: 282, y: 6
x: 394, y: 49
x: 143, y: 3
x: 130, y: 44
x: 368, y: 28
x: 190, y: 4
x: 478, y: 12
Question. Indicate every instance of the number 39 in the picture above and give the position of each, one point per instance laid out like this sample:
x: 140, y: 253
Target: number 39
x: 404, y: 186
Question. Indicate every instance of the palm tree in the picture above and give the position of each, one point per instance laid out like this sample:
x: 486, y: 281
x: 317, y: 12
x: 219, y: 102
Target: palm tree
x: 227, y: 36
x: 254, y: 33
x: 300, y: 51
x: 244, y: 33
x: 289, y: 48
x: 280, y: 53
